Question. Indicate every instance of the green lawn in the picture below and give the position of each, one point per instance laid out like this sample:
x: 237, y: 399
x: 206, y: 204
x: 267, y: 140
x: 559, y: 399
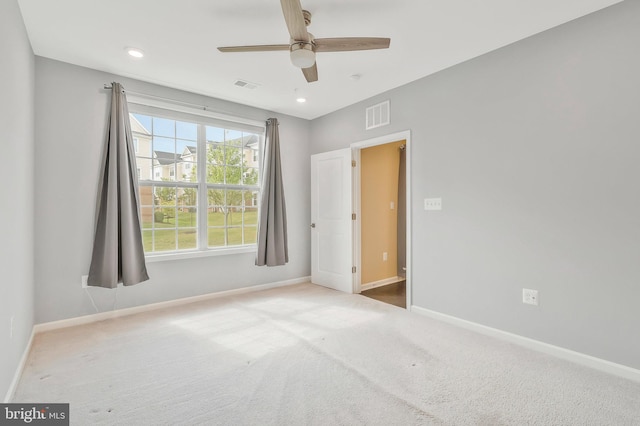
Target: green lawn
x: 163, y: 236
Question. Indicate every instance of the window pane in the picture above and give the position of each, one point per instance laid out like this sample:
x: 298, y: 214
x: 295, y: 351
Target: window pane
x: 187, y: 217
x: 163, y: 165
x: 147, y: 241
x: 141, y: 120
x: 186, y: 172
x: 233, y: 137
x: 250, y: 234
x: 164, y: 145
x: 146, y: 213
x: 234, y: 197
x: 165, y: 197
x: 164, y: 240
x: 159, y: 218
x: 187, y: 239
x: 216, y: 237
x: 217, y: 198
x: 215, y: 163
x: 145, y: 166
x: 233, y: 175
x: 250, y: 176
x: 250, y: 156
x: 234, y: 236
x: 233, y: 156
x: 250, y: 216
x: 234, y: 216
x: 144, y: 144
x: 186, y: 130
x: 215, y: 134
x: 164, y: 127
x: 187, y: 199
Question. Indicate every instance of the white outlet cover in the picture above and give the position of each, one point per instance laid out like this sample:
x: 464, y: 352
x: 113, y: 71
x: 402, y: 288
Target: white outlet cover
x: 530, y: 297
x: 84, y: 281
x: 433, y: 203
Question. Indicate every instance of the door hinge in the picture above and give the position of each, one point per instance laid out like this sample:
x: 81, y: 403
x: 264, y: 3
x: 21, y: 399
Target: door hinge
x: 353, y: 216
x: 353, y: 163
x: 353, y: 269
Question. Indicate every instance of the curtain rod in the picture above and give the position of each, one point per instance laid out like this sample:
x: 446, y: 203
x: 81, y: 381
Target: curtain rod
x: 218, y: 114
x: 160, y: 98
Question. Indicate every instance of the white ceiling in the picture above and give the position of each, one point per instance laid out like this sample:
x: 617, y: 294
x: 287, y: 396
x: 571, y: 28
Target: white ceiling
x: 179, y: 39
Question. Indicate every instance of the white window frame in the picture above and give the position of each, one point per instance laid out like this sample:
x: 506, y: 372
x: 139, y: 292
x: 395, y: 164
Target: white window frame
x: 137, y: 105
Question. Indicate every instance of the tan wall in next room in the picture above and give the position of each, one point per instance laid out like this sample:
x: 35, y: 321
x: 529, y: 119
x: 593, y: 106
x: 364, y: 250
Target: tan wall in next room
x: 379, y: 188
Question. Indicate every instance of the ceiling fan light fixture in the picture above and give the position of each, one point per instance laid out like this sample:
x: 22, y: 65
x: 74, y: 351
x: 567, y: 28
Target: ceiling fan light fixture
x: 302, y: 55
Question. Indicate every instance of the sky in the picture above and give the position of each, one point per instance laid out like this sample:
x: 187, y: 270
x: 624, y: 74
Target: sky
x: 173, y: 136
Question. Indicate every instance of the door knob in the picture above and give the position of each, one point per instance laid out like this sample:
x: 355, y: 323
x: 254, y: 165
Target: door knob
x: 313, y: 225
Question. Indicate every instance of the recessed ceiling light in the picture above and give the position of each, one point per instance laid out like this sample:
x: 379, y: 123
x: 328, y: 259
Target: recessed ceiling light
x: 136, y: 53
x: 300, y: 96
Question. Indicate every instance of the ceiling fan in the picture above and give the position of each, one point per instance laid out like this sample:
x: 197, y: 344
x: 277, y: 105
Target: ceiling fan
x: 303, y: 46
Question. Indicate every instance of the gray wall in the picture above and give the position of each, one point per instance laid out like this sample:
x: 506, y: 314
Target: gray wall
x: 16, y: 173
x: 71, y: 111
x: 534, y: 149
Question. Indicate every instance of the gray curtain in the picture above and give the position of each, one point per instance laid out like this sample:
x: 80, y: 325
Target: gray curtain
x: 272, y: 224
x: 118, y: 254
x: 402, y: 214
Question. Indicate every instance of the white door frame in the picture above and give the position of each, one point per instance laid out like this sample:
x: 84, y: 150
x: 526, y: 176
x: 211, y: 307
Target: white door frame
x: 357, y: 238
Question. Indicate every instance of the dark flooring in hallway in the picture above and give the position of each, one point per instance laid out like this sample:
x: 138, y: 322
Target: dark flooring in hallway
x: 394, y: 294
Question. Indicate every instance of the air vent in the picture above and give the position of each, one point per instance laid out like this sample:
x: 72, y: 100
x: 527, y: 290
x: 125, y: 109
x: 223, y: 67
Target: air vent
x: 246, y: 84
x: 378, y: 115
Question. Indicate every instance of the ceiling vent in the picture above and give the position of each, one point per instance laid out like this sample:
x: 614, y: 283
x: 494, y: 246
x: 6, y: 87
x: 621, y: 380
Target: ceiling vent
x: 245, y: 84
x: 378, y: 115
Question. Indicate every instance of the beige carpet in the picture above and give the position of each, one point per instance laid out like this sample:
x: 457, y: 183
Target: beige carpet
x: 308, y: 355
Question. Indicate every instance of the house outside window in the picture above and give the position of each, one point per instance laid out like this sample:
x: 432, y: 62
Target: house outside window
x: 202, y: 192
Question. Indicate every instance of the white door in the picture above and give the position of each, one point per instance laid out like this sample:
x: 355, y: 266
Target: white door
x: 331, y: 227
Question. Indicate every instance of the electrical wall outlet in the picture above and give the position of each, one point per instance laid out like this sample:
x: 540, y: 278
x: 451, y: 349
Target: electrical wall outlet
x: 530, y: 297
x: 84, y: 280
x: 433, y: 203
x: 384, y: 256
x: 392, y: 205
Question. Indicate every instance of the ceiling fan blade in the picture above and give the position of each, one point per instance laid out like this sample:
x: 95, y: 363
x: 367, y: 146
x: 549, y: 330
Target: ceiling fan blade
x: 311, y: 73
x: 294, y: 18
x: 345, y: 44
x: 257, y: 48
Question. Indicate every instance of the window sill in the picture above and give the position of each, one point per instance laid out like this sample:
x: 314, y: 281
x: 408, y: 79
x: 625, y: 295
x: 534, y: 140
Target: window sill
x: 151, y: 258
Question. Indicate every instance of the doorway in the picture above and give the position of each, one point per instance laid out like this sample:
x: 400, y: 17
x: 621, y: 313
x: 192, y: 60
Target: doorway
x: 336, y: 236
x: 381, y: 191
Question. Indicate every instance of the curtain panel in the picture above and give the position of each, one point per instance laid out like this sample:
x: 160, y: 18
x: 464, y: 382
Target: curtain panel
x: 118, y: 253
x: 272, y: 225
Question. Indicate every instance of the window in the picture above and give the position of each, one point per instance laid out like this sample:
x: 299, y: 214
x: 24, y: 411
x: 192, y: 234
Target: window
x: 204, y: 186
x: 135, y: 144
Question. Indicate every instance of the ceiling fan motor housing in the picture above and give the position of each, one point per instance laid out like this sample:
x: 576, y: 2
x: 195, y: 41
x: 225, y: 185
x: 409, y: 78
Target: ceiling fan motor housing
x: 303, y: 53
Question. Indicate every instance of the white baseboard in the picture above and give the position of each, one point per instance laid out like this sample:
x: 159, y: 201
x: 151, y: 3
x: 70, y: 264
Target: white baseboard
x: 86, y: 319
x: 380, y: 283
x: 566, y: 354
x: 16, y: 376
